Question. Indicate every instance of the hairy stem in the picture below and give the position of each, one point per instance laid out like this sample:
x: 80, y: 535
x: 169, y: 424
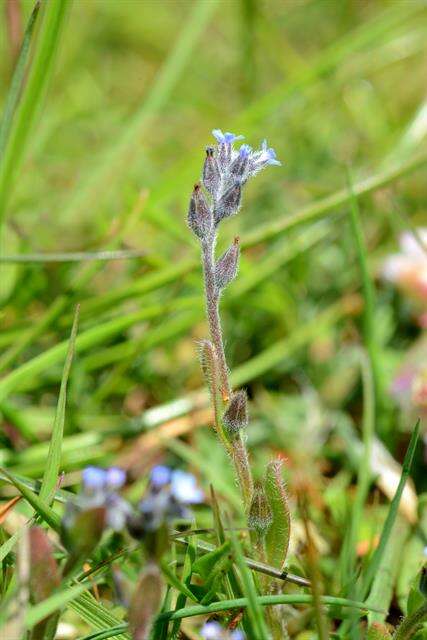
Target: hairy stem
x: 237, y: 448
x: 212, y: 309
x: 241, y: 462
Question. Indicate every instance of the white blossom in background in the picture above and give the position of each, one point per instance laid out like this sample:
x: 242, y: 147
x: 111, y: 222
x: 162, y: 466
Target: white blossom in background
x: 408, y: 269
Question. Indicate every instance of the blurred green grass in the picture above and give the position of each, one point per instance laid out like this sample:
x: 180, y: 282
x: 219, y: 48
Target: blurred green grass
x: 135, y: 93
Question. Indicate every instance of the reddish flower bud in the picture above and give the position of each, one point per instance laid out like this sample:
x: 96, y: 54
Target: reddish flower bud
x: 199, y: 214
x: 235, y: 417
x: 226, y: 267
x: 211, y: 174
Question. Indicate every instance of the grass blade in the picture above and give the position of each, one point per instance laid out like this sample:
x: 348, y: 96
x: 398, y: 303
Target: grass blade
x: 392, y: 513
x: 239, y: 603
x: 255, y: 612
x: 53, y: 461
x: 32, y: 96
x: 17, y: 80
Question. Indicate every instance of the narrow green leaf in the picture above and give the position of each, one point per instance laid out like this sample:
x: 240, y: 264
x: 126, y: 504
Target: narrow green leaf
x: 107, y: 633
x: 175, y: 582
x: 255, y: 612
x: 56, y: 601
x: 206, y: 563
x: 277, y: 538
x: 187, y: 572
x: 392, y: 513
x: 18, y: 80
x: 50, y: 477
x: 383, y: 584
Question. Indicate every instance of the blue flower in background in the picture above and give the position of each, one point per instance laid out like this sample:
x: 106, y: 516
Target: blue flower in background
x: 100, y: 492
x: 93, y: 478
x: 167, y: 498
x: 160, y: 476
x: 184, y: 488
x: 97, y: 479
x: 213, y: 631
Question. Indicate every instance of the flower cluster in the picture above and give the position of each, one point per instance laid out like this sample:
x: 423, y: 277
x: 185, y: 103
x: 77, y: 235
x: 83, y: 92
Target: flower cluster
x: 168, y: 497
x: 225, y: 172
x: 99, y: 491
x: 213, y: 631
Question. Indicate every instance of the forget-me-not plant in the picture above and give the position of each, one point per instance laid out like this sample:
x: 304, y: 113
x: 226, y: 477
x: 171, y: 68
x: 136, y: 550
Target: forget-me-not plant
x: 225, y: 172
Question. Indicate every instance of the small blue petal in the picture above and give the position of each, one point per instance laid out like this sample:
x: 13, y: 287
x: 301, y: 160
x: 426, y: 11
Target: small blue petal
x: 115, y: 477
x: 160, y: 476
x: 218, y: 134
x: 245, y: 150
x: 237, y: 635
x: 94, y: 478
x: 184, y: 488
x: 268, y: 155
x: 231, y: 137
x: 211, y: 631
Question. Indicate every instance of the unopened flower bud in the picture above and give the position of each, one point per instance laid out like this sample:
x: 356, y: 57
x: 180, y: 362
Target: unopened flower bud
x: 229, y: 203
x: 260, y: 515
x: 211, y: 173
x: 235, y: 417
x: 226, y: 267
x: 199, y: 214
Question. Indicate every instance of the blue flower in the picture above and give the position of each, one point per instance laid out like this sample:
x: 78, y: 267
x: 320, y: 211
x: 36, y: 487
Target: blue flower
x: 225, y: 138
x: 268, y: 155
x: 93, y: 478
x: 96, y: 479
x: 160, y: 476
x: 212, y: 630
x: 184, y: 488
x: 245, y: 151
x: 166, y: 499
x: 115, y: 477
x: 99, y: 491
